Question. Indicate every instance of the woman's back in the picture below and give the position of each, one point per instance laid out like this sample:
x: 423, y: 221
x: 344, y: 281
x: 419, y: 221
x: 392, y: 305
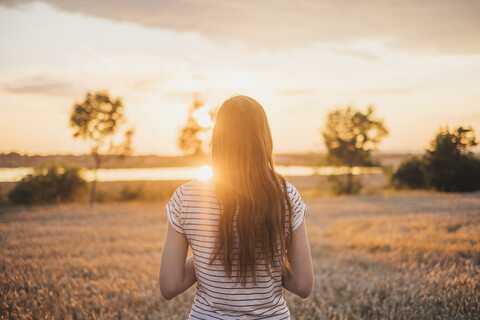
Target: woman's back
x: 194, y: 212
x: 245, y: 226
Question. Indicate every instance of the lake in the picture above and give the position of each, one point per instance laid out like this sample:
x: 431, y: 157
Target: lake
x: 183, y: 173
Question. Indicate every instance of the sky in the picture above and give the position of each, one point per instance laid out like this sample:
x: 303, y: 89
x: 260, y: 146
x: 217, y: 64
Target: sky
x: 417, y: 63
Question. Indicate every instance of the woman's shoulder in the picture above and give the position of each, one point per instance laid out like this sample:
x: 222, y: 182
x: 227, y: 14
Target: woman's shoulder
x: 291, y: 190
x: 208, y: 183
x: 196, y: 187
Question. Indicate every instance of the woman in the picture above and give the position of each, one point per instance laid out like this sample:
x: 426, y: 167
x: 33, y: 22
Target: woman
x: 245, y: 226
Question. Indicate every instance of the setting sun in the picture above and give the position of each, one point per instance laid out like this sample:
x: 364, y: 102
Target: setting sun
x: 203, y: 118
x: 204, y: 173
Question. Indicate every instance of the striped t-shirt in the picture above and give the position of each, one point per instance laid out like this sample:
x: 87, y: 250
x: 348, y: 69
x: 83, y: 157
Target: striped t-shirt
x: 194, y: 211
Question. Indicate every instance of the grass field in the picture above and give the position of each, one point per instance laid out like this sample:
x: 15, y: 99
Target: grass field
x: 399, y: 256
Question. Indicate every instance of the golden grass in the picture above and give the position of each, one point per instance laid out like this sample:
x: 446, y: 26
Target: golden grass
x: 401, y: 256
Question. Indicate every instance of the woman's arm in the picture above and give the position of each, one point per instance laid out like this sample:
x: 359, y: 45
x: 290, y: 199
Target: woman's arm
x: 177, y: 273
x: 300, y: 278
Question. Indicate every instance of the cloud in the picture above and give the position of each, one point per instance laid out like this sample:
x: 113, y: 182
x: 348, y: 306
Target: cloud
x: 384, y: 91
x: 10, y: 3
x: 453, y: 117
x: 41, y: 85
x: 431, y: 25
x: 357, y: 54
x: 298, y: 92
x: 95, y: 54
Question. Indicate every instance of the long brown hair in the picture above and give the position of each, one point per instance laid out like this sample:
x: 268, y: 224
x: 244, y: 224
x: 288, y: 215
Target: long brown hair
x: 256, y: 211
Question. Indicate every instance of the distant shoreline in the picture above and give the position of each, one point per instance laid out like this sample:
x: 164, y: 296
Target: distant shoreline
x: 16, y: 160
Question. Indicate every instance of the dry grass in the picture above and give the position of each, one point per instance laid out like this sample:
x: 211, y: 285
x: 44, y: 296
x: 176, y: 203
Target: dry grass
x: 403, y: 256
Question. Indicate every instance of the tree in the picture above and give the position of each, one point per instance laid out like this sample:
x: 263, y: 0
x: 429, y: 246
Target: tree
x: 194, y: 135
x: 349, y: 138
x: 450, y: 164
x: 98, y: 120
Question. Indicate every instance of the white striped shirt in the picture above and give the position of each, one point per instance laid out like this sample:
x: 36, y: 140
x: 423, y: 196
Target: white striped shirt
x: 194, y: 211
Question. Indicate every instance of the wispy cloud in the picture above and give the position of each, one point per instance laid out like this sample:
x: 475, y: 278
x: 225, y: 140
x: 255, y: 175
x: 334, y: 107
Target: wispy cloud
x: 431, y: 25
x: 143, y: 84
x: 357, y: 54
x: 383, y: 91
x: 87, y: 49
x: 297, y: 92
x: 466, y: 117
x: 41, y: 85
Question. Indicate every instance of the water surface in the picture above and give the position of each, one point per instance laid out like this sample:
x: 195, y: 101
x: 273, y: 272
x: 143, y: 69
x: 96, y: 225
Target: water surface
x: 181, y: 173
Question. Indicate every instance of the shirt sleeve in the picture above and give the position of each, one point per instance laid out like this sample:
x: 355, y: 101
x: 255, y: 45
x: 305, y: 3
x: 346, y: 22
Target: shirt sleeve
x: 299, y: 208
x: 174, y: 210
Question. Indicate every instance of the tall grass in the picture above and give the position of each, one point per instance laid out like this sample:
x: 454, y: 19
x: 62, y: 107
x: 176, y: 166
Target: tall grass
x: 406, y: 256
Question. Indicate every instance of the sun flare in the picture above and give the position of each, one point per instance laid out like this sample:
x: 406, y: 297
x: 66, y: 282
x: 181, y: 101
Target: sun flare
x: 204, y: 173
x: 203, y: 118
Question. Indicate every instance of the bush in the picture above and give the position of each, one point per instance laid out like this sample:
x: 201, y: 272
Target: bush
x: 410, y: 174
x: 48, y: 185
x: 128, y: 193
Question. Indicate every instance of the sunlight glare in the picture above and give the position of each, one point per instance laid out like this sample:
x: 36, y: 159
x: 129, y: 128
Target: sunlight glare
x: 203, y: 118
x: 204, y: 173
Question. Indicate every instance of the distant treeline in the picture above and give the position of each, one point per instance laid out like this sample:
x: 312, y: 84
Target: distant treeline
x: 15, y: 160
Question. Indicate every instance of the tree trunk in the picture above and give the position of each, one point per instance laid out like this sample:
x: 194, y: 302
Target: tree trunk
x: 349, y: 186
x: 94, y: 182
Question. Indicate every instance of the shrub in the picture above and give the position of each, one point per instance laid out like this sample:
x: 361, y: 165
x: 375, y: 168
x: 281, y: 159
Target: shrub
x: 48, y: 185
x: 409, y: 174
x: 128, y: 193
x: 343, y: 184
